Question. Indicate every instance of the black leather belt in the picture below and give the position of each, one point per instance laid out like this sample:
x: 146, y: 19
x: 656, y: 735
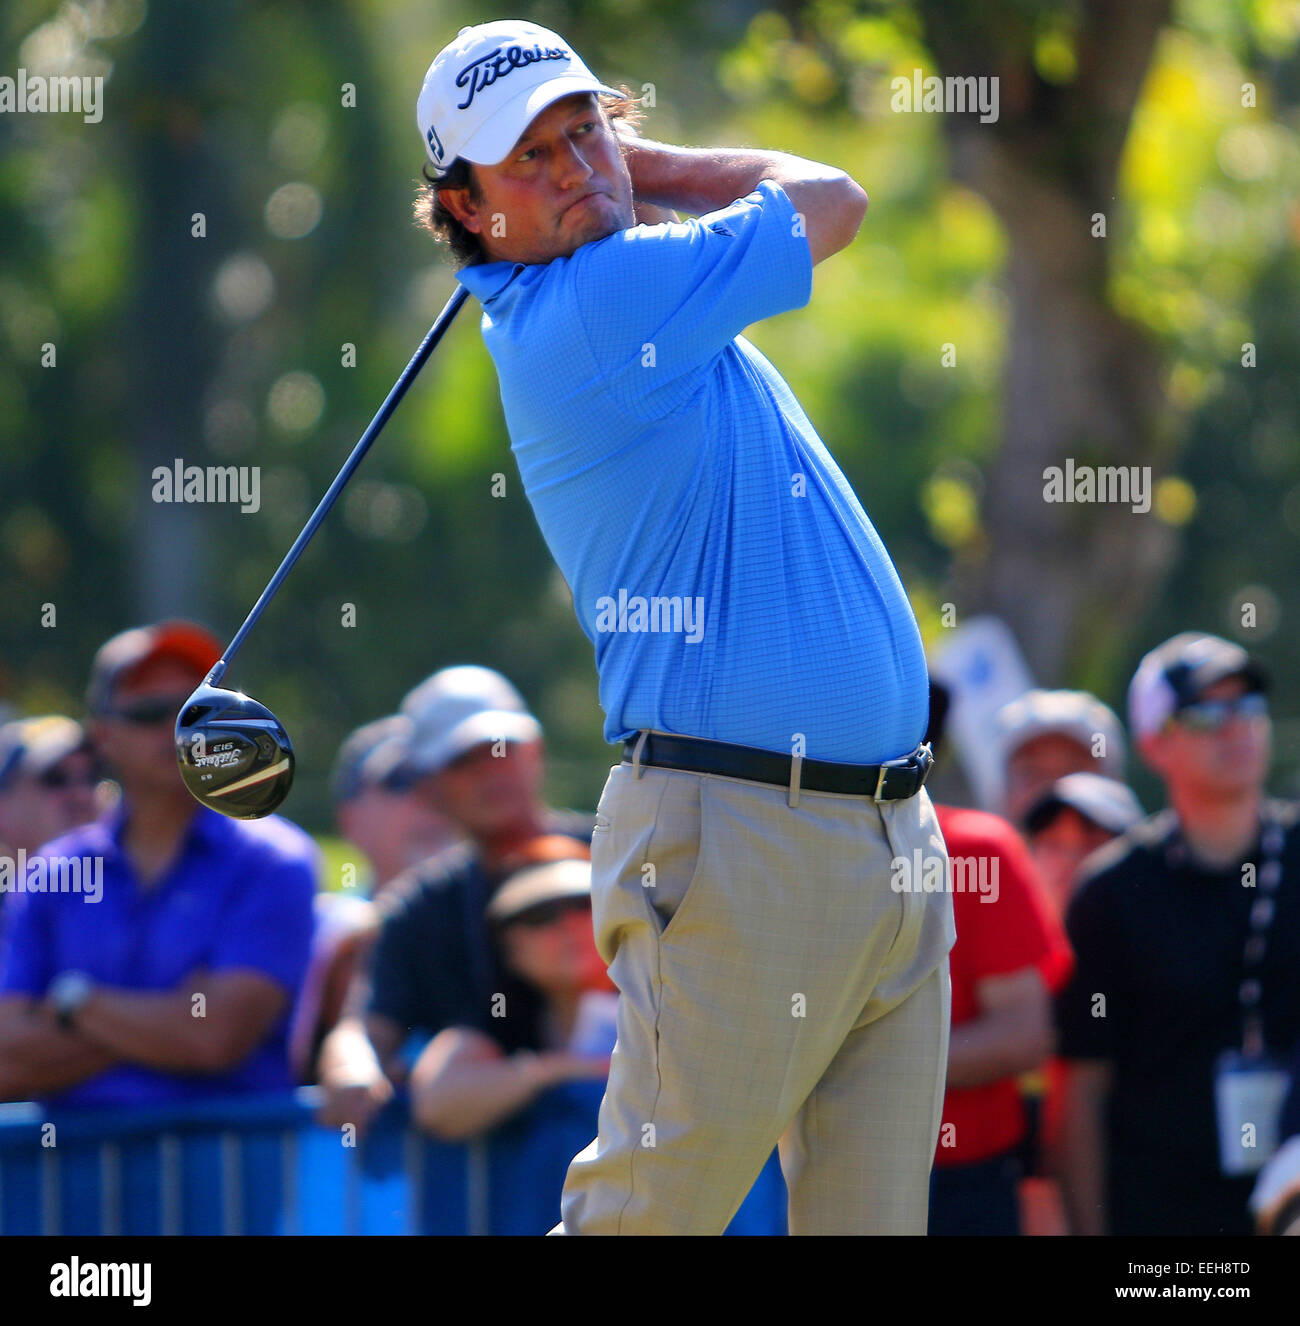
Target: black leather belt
x: 895, y: 780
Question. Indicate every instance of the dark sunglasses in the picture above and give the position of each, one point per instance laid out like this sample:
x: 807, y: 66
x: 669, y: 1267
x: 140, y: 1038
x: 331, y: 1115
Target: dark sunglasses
x: 147, y: 712
x: 547, y: 913
x: 58, y: 779
x: 1210, y: 715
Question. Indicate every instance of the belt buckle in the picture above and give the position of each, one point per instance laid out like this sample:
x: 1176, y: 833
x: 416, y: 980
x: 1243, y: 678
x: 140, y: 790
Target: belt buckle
x: 925, y: 754
x: 921, y: 758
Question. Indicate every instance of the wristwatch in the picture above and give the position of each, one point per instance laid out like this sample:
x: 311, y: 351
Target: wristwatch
x: 68, y: 993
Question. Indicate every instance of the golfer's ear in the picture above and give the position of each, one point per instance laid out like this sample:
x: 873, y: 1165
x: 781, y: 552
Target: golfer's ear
x: 461, y: 206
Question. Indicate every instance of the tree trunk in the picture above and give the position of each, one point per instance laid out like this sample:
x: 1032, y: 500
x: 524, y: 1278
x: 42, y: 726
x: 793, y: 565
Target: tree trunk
x: 174, y: 342
x: 1081, y: 382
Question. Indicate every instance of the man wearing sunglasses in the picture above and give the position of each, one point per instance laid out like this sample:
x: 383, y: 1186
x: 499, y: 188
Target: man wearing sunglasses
x: 1185, y: 1003
x: 178, y: 981
x: 48, y: 778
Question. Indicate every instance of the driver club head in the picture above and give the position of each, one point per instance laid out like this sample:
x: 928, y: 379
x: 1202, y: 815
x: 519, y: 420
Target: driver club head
x: 234, y: 754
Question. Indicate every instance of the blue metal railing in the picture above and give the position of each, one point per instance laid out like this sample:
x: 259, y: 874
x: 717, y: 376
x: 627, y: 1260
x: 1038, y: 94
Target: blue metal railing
x: 262, y: 1165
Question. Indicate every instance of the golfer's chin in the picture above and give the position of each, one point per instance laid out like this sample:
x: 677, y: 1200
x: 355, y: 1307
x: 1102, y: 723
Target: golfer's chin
x: 592, y: 219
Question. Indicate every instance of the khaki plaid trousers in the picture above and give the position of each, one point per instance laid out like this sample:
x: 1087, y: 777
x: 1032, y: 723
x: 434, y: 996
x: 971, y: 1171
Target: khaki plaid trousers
x: 775, y: 987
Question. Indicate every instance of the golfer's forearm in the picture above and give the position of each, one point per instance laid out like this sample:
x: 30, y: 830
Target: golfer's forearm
x: 703, y: 179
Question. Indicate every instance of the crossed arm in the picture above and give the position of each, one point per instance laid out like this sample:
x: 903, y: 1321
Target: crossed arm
x: 702, y: 179
x: 166, y: 1031
x: 38, y: 1058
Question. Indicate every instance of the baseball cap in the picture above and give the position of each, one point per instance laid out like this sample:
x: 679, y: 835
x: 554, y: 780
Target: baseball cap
x: 535, y: 885
x: 127, y: 653
x: 448, y: 714
x: 1074, y: 714
x: 32, y: 746
x: 1107, y: 802
x: 1179, y: 672
x: 484, y: 88
x: 368, y: 755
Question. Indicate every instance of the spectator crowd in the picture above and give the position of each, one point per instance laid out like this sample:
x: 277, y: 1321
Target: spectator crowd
x: 1125, y: 988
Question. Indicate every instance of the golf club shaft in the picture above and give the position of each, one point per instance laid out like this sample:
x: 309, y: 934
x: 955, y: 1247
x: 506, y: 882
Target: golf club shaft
x: 418, y: 359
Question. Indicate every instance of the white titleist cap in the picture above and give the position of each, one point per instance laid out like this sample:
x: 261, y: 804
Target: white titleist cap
x: 483, y: 89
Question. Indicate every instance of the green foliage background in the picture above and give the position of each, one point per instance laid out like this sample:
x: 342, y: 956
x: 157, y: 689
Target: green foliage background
x: 213, y: 107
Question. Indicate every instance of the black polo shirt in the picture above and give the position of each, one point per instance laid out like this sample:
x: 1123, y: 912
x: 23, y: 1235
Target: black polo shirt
x: 1163, y: 940
x: 434, y: 964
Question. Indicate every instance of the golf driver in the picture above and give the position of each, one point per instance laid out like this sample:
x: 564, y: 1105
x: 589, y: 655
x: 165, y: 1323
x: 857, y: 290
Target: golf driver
x: 234, y: 754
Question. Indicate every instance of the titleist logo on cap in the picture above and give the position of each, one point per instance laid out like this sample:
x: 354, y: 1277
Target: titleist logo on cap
x: 485, y: 71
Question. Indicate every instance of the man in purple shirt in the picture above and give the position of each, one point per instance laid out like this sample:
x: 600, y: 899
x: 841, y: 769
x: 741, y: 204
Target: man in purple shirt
x: 156, y: 954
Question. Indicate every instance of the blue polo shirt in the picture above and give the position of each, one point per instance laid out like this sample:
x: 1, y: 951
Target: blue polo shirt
x: 726, y: 573
x: 238, y: 895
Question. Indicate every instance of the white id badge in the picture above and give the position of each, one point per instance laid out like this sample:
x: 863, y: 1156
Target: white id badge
x: 1248, y: 1097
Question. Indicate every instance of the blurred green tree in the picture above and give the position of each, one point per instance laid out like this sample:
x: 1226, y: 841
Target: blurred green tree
x: 289, y: 127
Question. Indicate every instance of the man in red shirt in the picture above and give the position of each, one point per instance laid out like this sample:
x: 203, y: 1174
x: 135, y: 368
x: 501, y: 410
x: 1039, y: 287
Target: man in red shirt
x: 1010, y: 957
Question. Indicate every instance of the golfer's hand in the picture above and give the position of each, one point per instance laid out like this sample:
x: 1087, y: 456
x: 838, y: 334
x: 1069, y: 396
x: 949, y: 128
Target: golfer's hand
x: 646, y: 214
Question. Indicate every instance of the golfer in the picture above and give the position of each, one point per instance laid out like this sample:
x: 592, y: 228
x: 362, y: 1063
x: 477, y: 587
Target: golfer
x: 782, y: 975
